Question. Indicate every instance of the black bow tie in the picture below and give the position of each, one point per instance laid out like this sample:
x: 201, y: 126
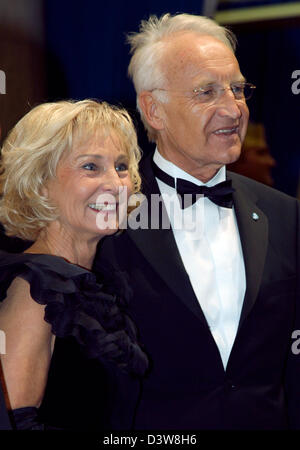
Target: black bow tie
x: 220, y: 194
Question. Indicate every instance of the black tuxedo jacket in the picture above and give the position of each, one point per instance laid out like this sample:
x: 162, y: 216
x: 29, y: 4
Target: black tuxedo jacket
x: 186, y: 386
x: 4, y: 420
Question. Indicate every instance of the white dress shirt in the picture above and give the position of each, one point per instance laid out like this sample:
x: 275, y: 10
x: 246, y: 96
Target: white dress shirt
x: 209, y: 244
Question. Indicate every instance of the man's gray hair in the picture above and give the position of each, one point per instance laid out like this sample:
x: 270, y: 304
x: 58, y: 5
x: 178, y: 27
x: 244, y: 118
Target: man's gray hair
x: 147, y: 47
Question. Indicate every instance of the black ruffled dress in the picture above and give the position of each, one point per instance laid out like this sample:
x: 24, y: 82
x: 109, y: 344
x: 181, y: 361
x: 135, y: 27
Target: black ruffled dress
x: 97, y: 363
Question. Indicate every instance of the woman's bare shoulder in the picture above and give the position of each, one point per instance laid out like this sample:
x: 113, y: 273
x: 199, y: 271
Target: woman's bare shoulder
x: 19, y: 311
x: 29, y: 345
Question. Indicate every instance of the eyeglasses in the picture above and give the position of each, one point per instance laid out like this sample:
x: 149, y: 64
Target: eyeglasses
x: 209, y: 93
x: 241, y: 91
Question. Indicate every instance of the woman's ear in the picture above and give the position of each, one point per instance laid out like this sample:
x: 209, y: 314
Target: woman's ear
x: 151, y: 109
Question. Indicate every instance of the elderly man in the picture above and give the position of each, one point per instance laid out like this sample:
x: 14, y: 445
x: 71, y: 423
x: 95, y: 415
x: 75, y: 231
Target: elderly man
x: 216, y: 299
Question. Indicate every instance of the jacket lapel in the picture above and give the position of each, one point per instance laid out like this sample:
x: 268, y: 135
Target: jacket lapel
x: 253, y: 229
x: 159, y: 248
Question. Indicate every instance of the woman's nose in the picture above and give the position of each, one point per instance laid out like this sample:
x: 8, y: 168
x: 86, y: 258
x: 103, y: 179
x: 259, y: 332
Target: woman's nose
x: 111, y: 182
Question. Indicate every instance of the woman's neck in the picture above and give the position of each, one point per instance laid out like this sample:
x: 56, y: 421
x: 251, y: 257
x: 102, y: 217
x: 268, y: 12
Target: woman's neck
x: 75, y: 248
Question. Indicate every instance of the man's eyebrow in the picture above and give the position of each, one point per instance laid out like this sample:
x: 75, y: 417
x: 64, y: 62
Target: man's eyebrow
x: 209, y: 82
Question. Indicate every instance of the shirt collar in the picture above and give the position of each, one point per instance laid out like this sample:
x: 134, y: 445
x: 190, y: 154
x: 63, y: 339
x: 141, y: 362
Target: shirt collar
x: 176, y: 172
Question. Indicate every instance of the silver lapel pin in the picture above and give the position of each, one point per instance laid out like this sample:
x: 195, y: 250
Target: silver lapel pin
x: 255, y: 216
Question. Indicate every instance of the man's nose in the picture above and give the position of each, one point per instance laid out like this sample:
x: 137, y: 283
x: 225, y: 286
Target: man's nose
x: 228, y: 105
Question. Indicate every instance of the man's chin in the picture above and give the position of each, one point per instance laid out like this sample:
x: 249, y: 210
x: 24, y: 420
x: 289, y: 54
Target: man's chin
x: 232, y: 155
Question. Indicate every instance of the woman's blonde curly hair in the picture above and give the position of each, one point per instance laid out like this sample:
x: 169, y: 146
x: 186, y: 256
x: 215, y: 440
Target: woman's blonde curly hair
x: 33, y: 148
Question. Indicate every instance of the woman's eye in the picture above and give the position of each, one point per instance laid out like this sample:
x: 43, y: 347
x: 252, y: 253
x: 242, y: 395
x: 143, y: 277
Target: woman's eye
x: 90, y: 166
x: 122, y: 167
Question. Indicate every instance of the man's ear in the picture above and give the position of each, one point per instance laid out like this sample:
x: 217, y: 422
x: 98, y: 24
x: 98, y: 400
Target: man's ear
x: 151, y: 109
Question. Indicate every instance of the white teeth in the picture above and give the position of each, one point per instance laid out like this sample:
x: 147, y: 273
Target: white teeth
x: 226, y: 131
x: 103, y: 207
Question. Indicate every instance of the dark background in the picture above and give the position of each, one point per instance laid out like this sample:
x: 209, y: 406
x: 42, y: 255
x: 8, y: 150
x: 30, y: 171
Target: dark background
x: 79, y: 51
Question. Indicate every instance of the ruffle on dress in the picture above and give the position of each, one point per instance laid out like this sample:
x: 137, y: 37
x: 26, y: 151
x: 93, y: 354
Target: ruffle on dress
x: 78, y: 305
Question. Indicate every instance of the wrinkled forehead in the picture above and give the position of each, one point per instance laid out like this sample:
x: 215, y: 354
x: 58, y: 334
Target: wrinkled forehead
x: 189, y: 54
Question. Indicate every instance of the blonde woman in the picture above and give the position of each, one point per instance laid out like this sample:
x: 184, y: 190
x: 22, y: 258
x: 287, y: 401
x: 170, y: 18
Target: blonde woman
x: 67, y: 168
